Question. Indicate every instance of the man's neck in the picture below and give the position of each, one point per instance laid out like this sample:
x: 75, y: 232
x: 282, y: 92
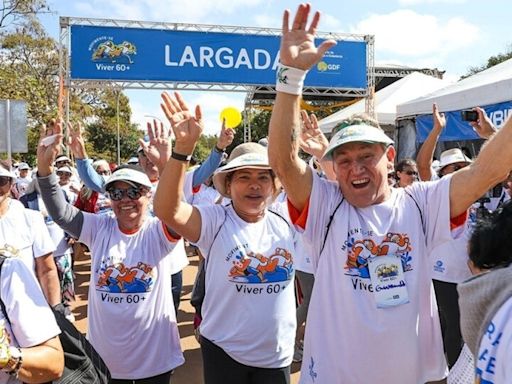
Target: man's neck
x: 5, y: 201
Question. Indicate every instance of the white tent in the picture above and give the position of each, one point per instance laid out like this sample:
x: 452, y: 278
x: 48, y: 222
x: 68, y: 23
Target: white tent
x: 488, y: 87
x: 407, y: 88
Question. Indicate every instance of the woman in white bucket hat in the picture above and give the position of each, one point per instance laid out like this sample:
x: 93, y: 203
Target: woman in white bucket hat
x: 248, y: 326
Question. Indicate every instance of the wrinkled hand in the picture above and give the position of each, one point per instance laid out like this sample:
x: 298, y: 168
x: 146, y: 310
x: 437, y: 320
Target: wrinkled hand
x: 312, y: 140
x: 439, y: 118
x: 187, y: 128
x: 298, y: 43
x: 226, y: 136
x: 49, y: 146
x: 76, y: 141
x: 159, y: 148
x: 483, y: 126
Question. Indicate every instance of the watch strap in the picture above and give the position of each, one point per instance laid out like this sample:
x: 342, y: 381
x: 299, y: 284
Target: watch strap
x: 180, y: 157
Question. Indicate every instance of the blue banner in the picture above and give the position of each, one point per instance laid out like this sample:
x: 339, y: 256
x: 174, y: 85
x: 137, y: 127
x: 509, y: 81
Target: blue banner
x: 456, y: 128
x: 134, y: 54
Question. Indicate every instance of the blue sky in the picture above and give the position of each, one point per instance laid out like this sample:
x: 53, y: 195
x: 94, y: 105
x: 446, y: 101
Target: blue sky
x: 450, y: 35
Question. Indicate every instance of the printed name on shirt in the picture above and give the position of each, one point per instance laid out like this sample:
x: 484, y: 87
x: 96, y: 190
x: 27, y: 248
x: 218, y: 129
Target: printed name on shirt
x: 117, y: 299
x: 268, y: 289
x: 235, y: 250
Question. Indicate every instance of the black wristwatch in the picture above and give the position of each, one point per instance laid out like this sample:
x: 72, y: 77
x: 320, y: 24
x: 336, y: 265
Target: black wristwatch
x: 217, y: 149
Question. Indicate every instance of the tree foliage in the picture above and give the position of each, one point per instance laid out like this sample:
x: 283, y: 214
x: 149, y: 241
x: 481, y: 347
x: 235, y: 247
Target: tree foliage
x: 13, y: 12
x: 491, y: 62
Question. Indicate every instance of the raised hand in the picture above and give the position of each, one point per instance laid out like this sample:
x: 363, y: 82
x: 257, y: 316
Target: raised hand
x: 159, y: 147
x: 439, y: 118
x: 226, y: 136
x: 312, y: 140
x: 76, y: 141
x: 483, y: 126
x: 187, y: 128
x: 298, y: 43
x: 50, y: 140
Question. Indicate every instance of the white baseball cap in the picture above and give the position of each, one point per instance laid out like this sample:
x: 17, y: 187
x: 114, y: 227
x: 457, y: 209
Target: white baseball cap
x: 357, y: 133
x: 129, y: 175
x: 7, y: 173
x: 22, y: 166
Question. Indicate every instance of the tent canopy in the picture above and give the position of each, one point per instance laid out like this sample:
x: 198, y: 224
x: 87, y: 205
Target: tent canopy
x: 488, y: 87
x: 386, y: 100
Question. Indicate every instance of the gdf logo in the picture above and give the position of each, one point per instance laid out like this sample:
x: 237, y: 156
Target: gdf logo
x: 322, y: 66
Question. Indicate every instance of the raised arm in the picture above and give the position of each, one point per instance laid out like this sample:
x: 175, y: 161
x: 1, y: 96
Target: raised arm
x: 69, y: 218
x: 169, y: 204
x: 492, y: 165
x: 83, y: 164
x: 426, y: 152
x: 213, y: 161
x: 298, y: 54
x: 313, y: 141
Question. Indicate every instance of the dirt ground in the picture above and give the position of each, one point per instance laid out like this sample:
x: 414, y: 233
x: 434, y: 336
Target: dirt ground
x: 191, y: 371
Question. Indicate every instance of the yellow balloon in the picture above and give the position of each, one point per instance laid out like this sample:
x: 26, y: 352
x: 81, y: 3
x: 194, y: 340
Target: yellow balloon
x: 232, y: 116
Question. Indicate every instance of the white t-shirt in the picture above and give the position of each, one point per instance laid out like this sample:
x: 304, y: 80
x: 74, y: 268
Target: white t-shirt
x: 205, y: 196
x: 33, y: 321
x: 132, y: 323
x: 494, y: 359
x: 178, y: 256
x: 22, y: 184
x: 249, y: 305
x: 348, y: 338
x: 25, y: 230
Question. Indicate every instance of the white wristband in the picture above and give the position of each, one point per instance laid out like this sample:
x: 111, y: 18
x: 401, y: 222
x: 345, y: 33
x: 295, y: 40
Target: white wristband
x: 290, y: 80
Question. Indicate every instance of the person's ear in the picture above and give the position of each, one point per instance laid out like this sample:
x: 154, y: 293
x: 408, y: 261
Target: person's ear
x: 390, y: 153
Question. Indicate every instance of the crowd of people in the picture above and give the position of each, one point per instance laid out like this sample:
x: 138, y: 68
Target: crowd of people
x: 392, y: 266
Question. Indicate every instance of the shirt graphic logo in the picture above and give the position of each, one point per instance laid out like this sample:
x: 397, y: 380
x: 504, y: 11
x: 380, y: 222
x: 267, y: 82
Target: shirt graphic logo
x: 253, y: 267
x: 361, y: 251
x: 122, y: 279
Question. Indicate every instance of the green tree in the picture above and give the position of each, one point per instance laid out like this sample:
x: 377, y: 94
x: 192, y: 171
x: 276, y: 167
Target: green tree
x: 491, y: 62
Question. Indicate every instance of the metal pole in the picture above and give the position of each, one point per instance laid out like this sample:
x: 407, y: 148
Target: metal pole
x: 118, y: 132
x: 8, y: 127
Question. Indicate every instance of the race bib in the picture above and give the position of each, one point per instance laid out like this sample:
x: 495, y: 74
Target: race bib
x: 388, y: 281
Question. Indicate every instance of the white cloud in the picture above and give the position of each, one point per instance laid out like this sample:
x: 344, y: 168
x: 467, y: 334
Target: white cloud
x: 409, y: 34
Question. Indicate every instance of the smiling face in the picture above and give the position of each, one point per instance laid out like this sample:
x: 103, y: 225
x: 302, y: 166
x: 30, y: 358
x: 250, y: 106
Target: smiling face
x: 361, y: 170
x: 130, y: 213
x: 251, y: 190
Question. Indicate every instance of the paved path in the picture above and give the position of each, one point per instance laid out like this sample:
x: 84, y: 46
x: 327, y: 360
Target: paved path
x: 191, y: 371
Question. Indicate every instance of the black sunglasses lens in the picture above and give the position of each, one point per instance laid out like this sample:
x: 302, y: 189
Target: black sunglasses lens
x: 133, y: 193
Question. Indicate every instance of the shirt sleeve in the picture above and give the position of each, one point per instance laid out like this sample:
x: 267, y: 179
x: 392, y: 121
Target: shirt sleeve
x: 89, y: 176
x: 212, y: 218
x: 207, y: 168
x: 43, y: 243
x: 32, y: 321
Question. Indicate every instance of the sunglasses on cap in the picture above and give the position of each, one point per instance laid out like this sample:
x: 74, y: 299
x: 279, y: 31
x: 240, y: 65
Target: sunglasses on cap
x: 4, y: 180
x: 117, y: 194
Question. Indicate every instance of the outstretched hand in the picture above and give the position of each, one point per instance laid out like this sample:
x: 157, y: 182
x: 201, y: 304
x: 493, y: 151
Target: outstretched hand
x: 439, y: 118
x: 159, y: 148
x: 312, y: 140
x: 50, y: 140
x: 76, y: 141
x: 298, y: 48
x: 187, y: 128
x: 226, y: 136
x: 483, y: 126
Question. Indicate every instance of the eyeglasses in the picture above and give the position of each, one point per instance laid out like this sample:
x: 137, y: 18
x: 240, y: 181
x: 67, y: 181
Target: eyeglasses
x: 106, y: 173
x: 62, y: 173
x: 411, y: 173
x: 4, y: 180
x: 63, y: 162
x: 133, y: 193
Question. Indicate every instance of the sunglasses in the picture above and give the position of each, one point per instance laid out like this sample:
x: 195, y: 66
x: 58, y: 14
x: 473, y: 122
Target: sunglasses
x: 61, y: 173
x: 411, y: 173
x: 4, y: 180
x: 106, y: 173
x: 133, y: 193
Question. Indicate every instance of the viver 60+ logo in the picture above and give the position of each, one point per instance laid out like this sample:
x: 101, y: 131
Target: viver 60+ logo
x: 110, y: 55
